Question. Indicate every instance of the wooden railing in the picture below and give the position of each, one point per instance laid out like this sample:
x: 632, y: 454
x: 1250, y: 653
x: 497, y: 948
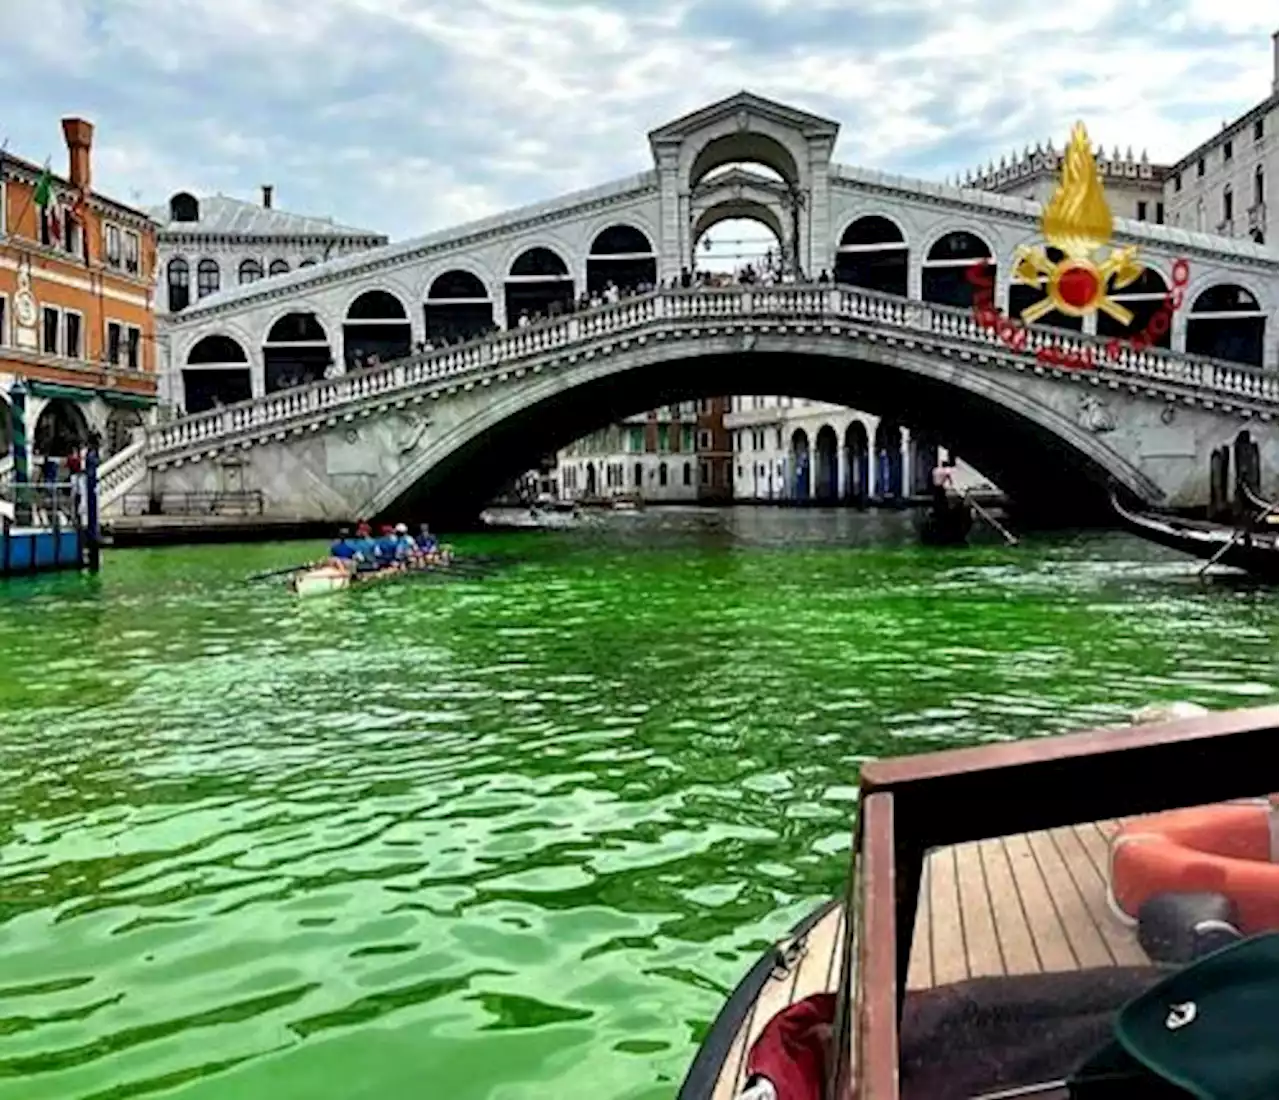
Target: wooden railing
x: 695, y: 308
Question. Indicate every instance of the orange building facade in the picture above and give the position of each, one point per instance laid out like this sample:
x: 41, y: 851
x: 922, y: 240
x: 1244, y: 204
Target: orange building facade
x: 77, y: 305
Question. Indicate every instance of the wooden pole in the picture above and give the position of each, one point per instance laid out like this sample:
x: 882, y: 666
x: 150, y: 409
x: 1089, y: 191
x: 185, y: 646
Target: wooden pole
x: 1012, y: 540
x: 92, y: 533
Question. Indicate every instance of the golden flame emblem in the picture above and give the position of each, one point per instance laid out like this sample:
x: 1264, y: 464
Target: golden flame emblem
x: 1077, y: 222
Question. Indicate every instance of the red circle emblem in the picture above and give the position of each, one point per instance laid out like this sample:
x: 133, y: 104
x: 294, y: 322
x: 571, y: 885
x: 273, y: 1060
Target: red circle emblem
x: 1077, y: 286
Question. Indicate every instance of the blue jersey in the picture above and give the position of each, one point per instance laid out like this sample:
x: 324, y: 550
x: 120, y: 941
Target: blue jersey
x: 387, y: 546
x: 366, y: 549
x: 342, y: 550
x: 426, y: 543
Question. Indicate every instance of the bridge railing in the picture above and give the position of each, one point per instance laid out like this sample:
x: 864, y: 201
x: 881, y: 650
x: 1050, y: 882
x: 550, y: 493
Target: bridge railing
x: 824, y: 302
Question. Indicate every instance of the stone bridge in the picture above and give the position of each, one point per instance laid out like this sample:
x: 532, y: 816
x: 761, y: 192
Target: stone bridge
x: 436, y: 434
x: 891, y: 332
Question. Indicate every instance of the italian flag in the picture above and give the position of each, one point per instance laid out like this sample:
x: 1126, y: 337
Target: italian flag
x: 51, y: 204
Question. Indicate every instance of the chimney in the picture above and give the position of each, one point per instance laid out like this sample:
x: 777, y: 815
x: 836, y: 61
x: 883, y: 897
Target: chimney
x: 266, y: 196
x: 79, y: 137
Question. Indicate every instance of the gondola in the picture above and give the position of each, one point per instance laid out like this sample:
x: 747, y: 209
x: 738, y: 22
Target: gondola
x: 1251, y: 549
x: 945, y: 526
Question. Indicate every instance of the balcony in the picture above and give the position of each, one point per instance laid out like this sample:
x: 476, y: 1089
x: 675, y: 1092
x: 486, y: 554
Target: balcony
x: 1258, y: 218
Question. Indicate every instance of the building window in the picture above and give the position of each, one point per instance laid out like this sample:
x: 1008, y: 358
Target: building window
x: 1159, y: 213
x: 1177, y: 182
x: 132, y: 253
x: 778, y: 443
x: 308, y: 262
x: 704, y: 406
x: 688, y: 473
x: 179, y: 284
x: 1142, y: 211
x: 704, y: 473
x: 1226, y: 203
x: 133, y: 347
x: 72, y: 346
x: 1259, y: 185
x: 662, y: 474
x: 278, y: 267
x: 664, y: 438
x: 704, y: 440
x: 1257, y: 130
x: 113, y: 343
x: 1226, y: 151
x: 635, y: 439
x: 51, y: 322
x: 250, y: 271
x: 111, y: 245
x: 4, y: 223
x: 686, y: 437
x: 4, y: 316
x: 1200, y: 167
x: 738, y: 437
x: 208, y: 278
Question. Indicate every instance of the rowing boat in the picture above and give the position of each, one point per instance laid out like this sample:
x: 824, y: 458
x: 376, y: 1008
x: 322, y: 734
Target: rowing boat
x: 323, y: 579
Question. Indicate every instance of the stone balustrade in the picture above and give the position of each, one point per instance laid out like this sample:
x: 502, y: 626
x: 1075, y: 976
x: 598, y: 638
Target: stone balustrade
x: 122, y: 472
x: 680, y: 311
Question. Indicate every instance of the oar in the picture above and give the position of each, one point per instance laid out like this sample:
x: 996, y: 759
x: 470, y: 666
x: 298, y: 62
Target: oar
x: 1010, y: 539
x: 278, y: 572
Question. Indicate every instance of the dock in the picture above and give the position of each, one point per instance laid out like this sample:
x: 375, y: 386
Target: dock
x: 1030, y: 903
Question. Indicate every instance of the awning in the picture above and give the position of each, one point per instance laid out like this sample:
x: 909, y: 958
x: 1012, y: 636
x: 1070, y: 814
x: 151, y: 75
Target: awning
x: 84, y: 393
x: 128, y: 400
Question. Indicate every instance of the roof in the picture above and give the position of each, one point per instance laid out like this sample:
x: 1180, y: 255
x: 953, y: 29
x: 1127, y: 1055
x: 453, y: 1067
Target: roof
x: 1170, y: 235
x: 1258, y: 110
x: 29, y: 171
x: 220, y: 215
x: 749, y: 103
x: 390, y: 255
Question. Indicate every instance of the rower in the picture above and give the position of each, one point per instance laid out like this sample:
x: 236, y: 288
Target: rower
x: 387, y: 546
x: 343, y: 551
x: 363, y: 530
x: 406, y: 548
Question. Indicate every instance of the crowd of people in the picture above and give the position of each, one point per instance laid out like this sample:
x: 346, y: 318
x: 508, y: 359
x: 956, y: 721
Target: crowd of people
x: 392, y: 548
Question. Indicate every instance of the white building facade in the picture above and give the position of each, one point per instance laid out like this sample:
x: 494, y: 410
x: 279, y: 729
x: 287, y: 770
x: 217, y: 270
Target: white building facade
x: 207, y: 244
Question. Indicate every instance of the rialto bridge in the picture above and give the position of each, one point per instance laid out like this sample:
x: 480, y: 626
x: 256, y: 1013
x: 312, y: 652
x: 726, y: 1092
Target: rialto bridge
x: 488, y: 355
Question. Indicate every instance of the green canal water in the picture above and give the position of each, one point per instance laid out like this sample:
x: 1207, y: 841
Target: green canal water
x: 514, y: 837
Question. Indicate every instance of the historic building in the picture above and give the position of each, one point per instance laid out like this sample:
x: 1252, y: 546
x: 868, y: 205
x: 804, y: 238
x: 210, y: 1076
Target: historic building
x: 1228, y: 184
x: 209, y: 243
x: 673, y: 454
x: 794, y: 449
x: 77, y: 318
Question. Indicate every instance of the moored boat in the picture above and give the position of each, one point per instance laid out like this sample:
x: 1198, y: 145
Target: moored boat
x: 1252, y: 548
x: 974, y: 953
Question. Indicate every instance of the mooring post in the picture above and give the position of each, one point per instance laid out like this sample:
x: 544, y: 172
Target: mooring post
x: 91, y: 533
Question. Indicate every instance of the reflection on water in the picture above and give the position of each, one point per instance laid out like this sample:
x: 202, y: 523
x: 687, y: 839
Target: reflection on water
x: 515, y: 837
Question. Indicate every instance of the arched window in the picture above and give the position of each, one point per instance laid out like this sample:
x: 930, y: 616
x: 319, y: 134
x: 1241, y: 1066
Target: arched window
x: 1226, y: 203
x: 184, y: 207
x: 250, y: 271
x: 873, y: 254
x: 944, y: 273
x: 278, y: 267
x: 179, y: 280
x: 1227, y: 322
x: 308, y: 262
x: 1259, y: 185
x: 208, y: 278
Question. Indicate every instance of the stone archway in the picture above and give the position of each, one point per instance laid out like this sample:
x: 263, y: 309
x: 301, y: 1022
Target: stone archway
x: 376, y: 325
x: 623, y: 256
x: 295, y: 352
x: 943, y: 277
x: 458, y: 308
x: 538, y: 285
x: 121, y: 424
x: 857, y: 450
x: 873, y: 254
x: 61, y: 428
x: 888, y: 460
x: 732, y: 229
x: 1143, y: 298
x: 216, y: 373
x: 826, y: 465
x: 1226, y: 322
x: 801, y: 481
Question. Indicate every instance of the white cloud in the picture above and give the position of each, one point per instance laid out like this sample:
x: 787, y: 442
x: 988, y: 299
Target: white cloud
x: 408, y: 115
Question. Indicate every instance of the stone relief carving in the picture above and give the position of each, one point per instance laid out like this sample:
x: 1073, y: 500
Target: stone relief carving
x: 1096, y: 415
x: 409, y: 432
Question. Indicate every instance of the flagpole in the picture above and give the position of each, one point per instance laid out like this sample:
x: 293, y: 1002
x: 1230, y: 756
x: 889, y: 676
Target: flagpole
x: 31, y: 198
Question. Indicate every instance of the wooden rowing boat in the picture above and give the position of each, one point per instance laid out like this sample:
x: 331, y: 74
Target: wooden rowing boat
x: 973, y: 953
x: 324, y: 579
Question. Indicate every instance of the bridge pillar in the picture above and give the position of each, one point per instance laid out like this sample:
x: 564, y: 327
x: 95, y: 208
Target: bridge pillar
x: 820, y: 247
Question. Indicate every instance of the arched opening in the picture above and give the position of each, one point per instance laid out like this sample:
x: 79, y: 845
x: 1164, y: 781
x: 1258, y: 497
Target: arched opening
x: 744, y: 148
x: 1023, y: 296
x: 216, y: 373
x: 376, y: 325
x: 184, y: 207
x: 278, y: 267
x: 60, y: 429
x: 1226, y: 322
x: 457, y: 308
x: 737, y: 241
x: 623, y: 256
x: 538, y: 285
x: 250, y: 271
x: 826, y: 465
x: 923, y: 449
x: 943, y: 276
x: 873, y: 254
x: 295, y: 352
x: 637, y: 478
x: 121, y: 423
x: 856, y: 462
x: 178, y: 279
x: 310, y: 261
x: 208, y: 278
x: 888, y: 460
x: 1143, y: 299
x: 801, y: 483
x: 591, y: 479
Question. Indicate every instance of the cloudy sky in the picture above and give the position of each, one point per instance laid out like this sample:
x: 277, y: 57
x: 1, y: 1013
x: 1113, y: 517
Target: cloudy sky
x: 410, y: 115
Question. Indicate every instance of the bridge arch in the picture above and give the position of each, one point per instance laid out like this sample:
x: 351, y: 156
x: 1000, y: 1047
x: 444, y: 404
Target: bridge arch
x: 857, y: 453
x: 538, y: 284
x: 873, y: 253
x: 375, y: 322
x: 457, y: 306
x: 622, y: 254
x: 1225, y: 321
x: 216, y: 372
x: 60, y: 429
x: 948, y: 255
x: 747, y: 210
x: 826, y: 465
x: 750, y: 146
x: 888, y: 458
x: 295, y: 351
x: 801, y: 487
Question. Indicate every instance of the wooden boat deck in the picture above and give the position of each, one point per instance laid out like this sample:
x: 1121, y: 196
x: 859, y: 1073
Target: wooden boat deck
x: 1023, y: 904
